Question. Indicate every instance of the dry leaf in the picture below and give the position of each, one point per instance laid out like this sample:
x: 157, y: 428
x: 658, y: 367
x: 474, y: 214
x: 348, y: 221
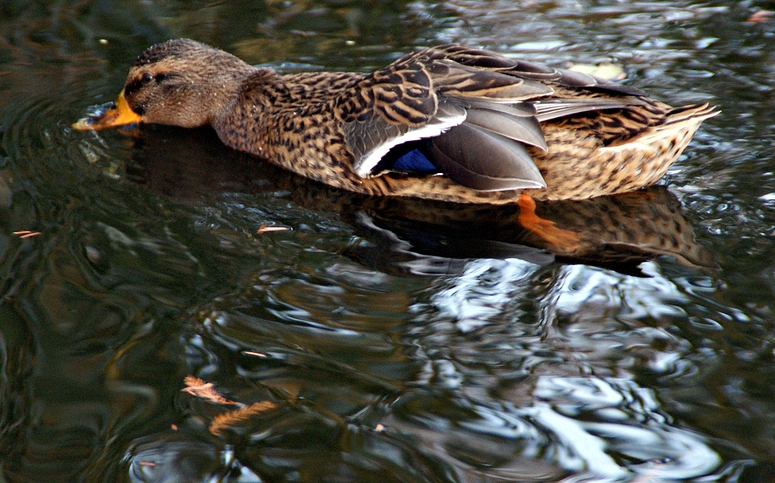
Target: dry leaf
x: 760, y: 16
x: 27, y: 233
x: 199, y: 388
x: 266, y: 229
x: 225, y: 420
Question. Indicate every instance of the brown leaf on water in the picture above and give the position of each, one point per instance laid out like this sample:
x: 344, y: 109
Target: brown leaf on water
x: 27, y: 233
x: 228, y: 419
x: 199, y: 388
x: 193, y: 381
x: 267, y: 229
x: 760, y: 16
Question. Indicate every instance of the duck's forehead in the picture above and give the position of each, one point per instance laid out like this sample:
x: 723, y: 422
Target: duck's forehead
x: 159, y: 52
x: 151, y: 56
x: 161, y: 68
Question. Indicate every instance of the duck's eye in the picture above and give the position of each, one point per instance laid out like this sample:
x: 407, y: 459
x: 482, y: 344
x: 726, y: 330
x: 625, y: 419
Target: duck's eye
x: 147, y: 78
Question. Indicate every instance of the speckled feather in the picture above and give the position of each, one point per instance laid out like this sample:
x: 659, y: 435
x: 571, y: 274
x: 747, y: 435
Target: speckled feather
x: 602, y: 138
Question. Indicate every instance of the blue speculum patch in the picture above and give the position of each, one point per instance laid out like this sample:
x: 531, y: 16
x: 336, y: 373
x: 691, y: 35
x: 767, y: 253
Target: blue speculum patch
x: 414, y: 161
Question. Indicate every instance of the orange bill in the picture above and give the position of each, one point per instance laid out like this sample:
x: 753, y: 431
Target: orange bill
x: 117, y: 114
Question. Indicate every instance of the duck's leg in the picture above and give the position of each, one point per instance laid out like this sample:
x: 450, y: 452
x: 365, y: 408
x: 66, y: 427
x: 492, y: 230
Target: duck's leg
x: 566, y: 240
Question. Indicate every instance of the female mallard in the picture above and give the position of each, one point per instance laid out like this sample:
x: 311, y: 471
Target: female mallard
x: 447, y: 123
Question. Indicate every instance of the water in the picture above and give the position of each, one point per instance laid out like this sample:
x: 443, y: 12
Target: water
x: 379, y: 340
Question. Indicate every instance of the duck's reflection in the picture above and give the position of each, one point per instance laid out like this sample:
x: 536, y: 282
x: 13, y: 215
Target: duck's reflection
x: 618, y: 232
x: 422, y: 237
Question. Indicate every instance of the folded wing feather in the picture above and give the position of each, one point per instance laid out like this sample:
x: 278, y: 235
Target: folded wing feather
x: 483, y: 160
x: 489, y: 108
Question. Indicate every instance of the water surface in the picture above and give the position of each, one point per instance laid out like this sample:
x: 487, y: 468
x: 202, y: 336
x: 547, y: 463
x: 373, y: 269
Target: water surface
x: 379, y: 340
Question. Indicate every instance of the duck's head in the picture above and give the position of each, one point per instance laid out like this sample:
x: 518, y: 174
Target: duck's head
x: 179, y: 82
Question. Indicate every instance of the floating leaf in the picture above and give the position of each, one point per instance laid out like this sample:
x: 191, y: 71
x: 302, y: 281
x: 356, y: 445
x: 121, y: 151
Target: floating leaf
x: 199, y: 388
x: 228, y: 419
x: 266, y: 229
x: 27, y: 233
x: 760, y: 16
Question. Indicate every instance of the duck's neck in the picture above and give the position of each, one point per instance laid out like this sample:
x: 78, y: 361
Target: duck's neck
x: 290, y: 121
x: 226, y: 86
x: 242, y: 122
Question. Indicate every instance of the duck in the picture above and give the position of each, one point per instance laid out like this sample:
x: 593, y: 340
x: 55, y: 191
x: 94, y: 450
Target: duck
x: 448, y: 123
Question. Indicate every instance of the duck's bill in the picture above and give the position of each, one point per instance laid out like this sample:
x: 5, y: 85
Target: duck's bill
x: 112, y: 114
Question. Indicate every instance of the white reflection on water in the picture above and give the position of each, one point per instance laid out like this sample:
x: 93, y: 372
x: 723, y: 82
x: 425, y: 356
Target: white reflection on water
x: 581, y: 450
x: 587, y: 410
x: 484, y: 290
x: 584, y: 292
x: 597, y: 417
x: 609, y: 322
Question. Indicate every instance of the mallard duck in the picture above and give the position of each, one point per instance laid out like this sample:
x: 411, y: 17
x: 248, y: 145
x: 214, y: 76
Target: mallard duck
x: 448, y: 123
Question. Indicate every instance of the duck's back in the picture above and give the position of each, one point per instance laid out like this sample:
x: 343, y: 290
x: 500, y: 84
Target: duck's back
x: 492, y: 126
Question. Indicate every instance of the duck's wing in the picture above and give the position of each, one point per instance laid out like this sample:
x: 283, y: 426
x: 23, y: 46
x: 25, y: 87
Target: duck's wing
x: 485, y: 59
x: 476, y: 127
x: 383, y: 126
x: 476, y: 110
x: 549, y: 109
x: 574, y: 92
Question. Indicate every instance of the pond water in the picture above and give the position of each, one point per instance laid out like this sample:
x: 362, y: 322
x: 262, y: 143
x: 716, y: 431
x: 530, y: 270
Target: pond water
x: 149, y: 331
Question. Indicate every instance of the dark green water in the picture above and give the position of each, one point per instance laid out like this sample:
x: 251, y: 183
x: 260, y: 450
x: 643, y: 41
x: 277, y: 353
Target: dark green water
x: 395, y: 341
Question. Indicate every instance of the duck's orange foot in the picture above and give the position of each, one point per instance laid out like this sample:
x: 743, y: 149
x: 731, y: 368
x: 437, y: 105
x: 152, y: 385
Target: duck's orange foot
x: 564, y: 240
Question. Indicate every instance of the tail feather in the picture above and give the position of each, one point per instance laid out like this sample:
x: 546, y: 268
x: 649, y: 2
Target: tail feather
x: 692, y: 113
x: 678, y: 122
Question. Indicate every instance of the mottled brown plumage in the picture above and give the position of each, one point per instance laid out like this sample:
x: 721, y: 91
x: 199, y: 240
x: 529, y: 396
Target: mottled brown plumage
x: 491, y: 127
